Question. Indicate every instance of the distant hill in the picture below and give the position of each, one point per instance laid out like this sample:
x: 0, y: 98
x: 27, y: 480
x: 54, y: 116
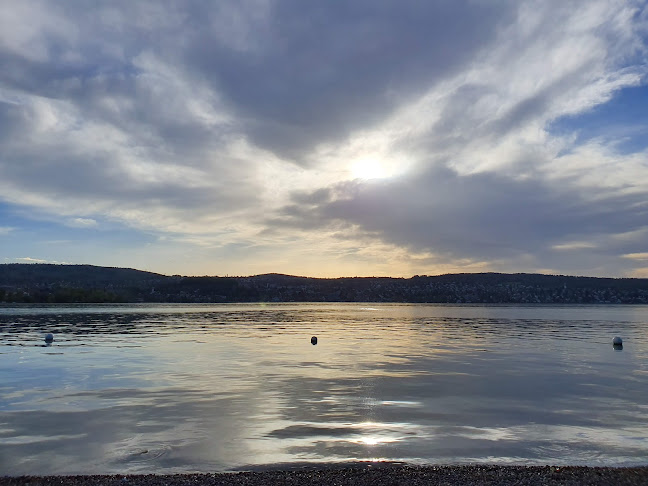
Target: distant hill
x: 83, y: 275
x: 35, y: 283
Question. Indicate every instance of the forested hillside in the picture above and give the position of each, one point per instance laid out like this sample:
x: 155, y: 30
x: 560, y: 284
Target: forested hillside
x: 43, y: 283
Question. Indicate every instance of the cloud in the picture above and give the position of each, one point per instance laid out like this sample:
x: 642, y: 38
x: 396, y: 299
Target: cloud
x: 373, y: 132
x: 482, y: 216
x: 35, y: 260
x: 311, y: 73
x: 5, y: 230
x: 637, y: 256
x: 573, y: 246
x: 82, y: 223
x: 31, y: 260
x: 489, y: 182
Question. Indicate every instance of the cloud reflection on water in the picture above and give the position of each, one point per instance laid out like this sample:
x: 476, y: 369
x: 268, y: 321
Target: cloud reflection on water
x: 224, y: 388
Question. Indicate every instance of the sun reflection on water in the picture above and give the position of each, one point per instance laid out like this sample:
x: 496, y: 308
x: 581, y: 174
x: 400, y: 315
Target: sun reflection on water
x: 218, y: 387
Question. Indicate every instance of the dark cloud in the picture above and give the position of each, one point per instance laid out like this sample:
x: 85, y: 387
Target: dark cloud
x: 312, y: 72
x: 321, y: 69
x: 482, y: 216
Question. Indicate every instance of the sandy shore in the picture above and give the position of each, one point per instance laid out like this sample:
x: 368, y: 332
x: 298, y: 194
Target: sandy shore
x: 367, y: 475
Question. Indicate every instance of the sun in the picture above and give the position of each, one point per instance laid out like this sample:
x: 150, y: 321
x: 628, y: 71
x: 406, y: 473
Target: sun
x: 370, y: 168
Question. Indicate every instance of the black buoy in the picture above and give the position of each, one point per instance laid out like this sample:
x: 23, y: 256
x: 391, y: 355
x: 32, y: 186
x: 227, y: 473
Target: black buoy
x: 617, y: 343
x: 314, y: 340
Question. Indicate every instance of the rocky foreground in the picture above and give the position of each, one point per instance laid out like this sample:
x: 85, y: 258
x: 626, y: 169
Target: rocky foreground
x: 361, y: 476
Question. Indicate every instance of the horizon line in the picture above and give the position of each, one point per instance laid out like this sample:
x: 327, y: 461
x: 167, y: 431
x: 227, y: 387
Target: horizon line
x: 318, y: 278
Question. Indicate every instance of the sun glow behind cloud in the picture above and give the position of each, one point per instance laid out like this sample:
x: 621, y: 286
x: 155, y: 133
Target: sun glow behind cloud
x: 367, y: 168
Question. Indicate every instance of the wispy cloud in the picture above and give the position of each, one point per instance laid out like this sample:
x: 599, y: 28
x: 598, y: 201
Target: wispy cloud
x: 31, y: 260
x: 573, y: 245
x: 637, y: 256
x: 82, y: 223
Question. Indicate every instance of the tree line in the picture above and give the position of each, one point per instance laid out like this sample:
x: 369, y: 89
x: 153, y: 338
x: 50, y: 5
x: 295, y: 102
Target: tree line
x: 43, y: 283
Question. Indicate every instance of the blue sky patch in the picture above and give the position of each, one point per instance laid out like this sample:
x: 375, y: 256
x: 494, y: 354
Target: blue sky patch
x: 622, y: 121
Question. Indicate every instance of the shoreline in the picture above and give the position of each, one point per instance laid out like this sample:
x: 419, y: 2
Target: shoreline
x: 364, y: 475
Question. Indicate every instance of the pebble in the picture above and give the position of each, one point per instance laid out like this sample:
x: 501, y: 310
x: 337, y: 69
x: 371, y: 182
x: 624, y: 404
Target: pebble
x: 372, y: 474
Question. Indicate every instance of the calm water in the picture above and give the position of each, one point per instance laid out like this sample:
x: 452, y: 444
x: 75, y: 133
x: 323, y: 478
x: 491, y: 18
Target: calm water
x: 169, y: 388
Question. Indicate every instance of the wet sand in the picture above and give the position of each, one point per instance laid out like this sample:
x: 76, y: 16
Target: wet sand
x: 366, y: 475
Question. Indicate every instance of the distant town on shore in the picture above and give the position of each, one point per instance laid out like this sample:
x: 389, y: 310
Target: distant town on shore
x: 48, y: 283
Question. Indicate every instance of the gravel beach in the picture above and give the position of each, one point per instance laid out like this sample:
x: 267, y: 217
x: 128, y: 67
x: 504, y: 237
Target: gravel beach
x: 366, y: 475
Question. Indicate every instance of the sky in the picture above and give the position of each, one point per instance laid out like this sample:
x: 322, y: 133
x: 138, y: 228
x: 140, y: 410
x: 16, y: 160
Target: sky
x: 326, y: 138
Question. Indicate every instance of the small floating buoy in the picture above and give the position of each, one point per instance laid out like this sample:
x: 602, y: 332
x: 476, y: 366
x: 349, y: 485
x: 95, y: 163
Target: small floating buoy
x: 49, y: 337
x: 314, y: 340
x: 617, y: 341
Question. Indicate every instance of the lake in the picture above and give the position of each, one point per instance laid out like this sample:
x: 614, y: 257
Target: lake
x: 180, y: 388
